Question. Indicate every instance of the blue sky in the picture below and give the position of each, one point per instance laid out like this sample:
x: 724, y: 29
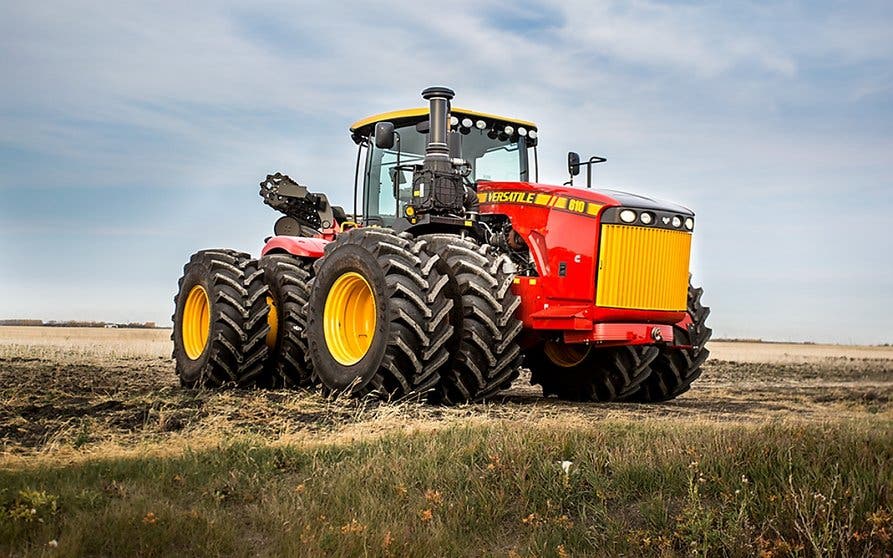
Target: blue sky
x: 132, y: 135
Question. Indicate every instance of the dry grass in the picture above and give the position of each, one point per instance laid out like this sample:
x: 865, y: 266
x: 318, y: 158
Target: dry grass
x: 54, y: 342
x: 504, y: 489
x: 786, y: 353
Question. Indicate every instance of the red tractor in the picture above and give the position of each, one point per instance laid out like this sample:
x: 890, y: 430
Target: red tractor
x: 454, y: 269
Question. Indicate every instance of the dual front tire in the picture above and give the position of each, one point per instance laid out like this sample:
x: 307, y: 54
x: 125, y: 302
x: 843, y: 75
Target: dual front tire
x: 485, y: 356
x: 428, y: 317
x: 585, y: 373
x: 644, y: 374
x: 677, y: 367
x: 377, y: 318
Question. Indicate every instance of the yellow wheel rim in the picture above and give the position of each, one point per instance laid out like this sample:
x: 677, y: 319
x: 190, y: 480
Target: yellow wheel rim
x: 196, y: 322
x: 273, y: 320
x: 564, y: 355
x: 349, y: 318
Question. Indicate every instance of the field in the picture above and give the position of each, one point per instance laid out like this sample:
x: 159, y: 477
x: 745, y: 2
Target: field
x: 778, y: 449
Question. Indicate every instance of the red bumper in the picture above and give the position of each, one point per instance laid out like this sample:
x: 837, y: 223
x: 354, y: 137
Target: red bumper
x: 581, y: 321
x: 622, y: 334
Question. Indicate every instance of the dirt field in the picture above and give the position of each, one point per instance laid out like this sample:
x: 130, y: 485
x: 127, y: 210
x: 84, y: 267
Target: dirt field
x: 75, y: 392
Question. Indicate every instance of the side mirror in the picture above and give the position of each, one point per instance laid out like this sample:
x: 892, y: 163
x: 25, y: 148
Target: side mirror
x: 573, y: 161
x: 384, y: 135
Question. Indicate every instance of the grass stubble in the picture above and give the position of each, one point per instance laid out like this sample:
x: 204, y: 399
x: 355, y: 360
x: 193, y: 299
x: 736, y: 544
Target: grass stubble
x: 101, y: 453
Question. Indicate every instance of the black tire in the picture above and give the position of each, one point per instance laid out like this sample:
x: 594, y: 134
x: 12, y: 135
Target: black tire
x: 486, y: 358
x: 409, y: 342
x: 288, y: 279
x: 234, y: 350
x: 589, y: 373
x: 674, y: 370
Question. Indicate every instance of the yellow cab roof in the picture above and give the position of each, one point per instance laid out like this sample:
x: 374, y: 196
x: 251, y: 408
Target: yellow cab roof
x: 407, y: 116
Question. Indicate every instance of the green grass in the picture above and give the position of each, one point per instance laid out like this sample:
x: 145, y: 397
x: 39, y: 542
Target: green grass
x: 633, y: 488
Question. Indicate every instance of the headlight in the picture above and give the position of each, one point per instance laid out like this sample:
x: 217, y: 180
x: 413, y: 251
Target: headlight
x: 677, y: 222
x: 627, y: 215
x: 646, y: 218
x: 466, y: 122
x: 480, y: 124
x: 522, y: 131
x: 509, y: 130
x: 454, y: 121
x: 689, y: 223
x: 531, y: 134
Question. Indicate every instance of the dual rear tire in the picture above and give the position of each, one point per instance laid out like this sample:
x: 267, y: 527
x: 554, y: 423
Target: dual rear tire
x: 220, y: 321
x: 239, y: 322
x: 288, y: 279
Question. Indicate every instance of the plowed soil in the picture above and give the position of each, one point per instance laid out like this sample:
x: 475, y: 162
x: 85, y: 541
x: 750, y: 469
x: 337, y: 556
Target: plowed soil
x: 79, y: 391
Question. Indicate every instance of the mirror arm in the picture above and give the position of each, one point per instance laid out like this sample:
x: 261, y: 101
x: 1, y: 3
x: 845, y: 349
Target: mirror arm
x: 592, y: 160
x: 571, y: 169
x: 574, y: 169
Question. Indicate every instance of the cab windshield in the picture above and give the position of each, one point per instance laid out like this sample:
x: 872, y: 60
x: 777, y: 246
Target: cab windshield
x: 490, y: 158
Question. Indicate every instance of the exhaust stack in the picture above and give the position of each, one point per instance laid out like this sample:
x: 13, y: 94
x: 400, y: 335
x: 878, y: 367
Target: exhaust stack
x: 439, y: 113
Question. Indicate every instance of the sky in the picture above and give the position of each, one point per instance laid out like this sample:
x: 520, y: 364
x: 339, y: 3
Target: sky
x: 134, y: 134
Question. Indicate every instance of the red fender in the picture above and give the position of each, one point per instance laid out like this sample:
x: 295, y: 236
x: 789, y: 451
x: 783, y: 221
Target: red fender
x: 301, y: 246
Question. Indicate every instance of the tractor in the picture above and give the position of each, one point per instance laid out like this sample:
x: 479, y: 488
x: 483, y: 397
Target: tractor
x: 453, y: 269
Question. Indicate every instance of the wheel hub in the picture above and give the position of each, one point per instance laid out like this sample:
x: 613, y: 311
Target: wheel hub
x: 564, y: 355
x: 273, y: 321
x: 196, y: 322
x: 349, y: 318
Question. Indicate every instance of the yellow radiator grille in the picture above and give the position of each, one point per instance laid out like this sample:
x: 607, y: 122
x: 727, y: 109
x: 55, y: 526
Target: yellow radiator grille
x: 643, y: 268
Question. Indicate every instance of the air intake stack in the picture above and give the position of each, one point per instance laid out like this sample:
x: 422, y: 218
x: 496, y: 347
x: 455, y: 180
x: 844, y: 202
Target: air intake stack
x: 438, y: 188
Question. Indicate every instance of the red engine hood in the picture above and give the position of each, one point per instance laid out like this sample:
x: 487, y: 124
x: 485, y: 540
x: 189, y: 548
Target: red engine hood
x: 607, y: 198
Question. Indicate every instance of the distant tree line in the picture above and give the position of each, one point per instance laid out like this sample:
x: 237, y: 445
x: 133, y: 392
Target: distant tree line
x: 21, y: 322
x: 78, y: 323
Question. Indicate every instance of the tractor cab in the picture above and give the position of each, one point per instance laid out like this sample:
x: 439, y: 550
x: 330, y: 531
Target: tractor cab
x: 495, y: 148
